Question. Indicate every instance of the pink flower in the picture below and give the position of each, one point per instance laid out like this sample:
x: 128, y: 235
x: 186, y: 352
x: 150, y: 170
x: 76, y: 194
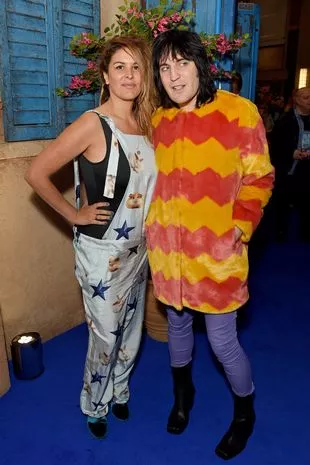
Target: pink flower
x: 222, y: 44
x: 176, y: 17
x: 213, y: 69
x: 132, y: 10
x: 238, y: 42
x: 91, y: 65
x: 164, y: 21
x: 87, y: 83
x: 77, y: 83
x: 85, y: 39
x: 162, y: 24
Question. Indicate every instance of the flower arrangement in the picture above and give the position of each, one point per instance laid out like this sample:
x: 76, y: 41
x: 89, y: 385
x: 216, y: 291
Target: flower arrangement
x: 147, y: 23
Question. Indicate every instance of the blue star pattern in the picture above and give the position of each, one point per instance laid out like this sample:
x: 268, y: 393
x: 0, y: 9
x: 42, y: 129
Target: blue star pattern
x: 117, y: 332
x: 123, y: 231
x: 97, y: 404
x: 99, y: 290
x: 96, y: 378
x: 133, y: 250
x: 133, y: 305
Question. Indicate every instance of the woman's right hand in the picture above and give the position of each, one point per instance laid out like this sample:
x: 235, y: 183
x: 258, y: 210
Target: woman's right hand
x: 93, y: 214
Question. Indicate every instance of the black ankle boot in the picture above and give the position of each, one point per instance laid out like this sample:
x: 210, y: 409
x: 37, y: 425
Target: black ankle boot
x: 184, y: 392
x: 120, y: 411
x: 98, y: 427
x: 241, y: 428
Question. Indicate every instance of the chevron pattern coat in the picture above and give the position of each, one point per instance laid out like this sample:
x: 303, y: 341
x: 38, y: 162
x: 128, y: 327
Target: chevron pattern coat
x: 214, y: 174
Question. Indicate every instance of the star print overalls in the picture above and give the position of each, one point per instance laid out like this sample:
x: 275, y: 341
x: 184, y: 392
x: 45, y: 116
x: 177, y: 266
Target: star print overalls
x: 112, y: 273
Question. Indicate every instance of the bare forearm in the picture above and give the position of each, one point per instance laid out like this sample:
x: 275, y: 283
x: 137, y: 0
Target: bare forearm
x: 75, y: 139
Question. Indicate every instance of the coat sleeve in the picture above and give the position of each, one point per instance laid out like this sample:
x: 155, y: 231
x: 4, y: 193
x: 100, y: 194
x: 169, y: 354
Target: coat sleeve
x: 257, y: 173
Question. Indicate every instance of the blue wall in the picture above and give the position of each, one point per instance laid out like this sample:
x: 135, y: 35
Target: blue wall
x: 248, y: 21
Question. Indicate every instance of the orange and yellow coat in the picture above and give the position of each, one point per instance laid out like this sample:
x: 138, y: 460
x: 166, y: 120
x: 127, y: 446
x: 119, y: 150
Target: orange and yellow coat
x: 214, y: 174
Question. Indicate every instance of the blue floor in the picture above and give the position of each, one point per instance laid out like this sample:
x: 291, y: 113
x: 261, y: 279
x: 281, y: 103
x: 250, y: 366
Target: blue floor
x: 40, y: 420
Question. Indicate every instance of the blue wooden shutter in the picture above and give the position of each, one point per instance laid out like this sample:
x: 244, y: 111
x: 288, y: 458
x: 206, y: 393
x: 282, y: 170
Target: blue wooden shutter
x: 35, y: 60
x: 246, y: 60
x: 77, y: 16
x: 212, y: 16
x: 28, y: 72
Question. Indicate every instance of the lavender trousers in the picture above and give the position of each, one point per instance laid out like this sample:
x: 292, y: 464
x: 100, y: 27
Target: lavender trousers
x: 222, y: 336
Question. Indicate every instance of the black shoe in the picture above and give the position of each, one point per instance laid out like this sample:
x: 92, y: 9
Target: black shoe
x: 241, y: 428
x: 120, y: 411
x: 184, y: 393
x: 97, y: 426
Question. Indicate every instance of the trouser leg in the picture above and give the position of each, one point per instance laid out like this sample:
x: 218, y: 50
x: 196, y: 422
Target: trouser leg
x: 105, y: 333
x: 180, y: 336
x: 222, y: 335
x: 181, y: 341
x: 131, y: 339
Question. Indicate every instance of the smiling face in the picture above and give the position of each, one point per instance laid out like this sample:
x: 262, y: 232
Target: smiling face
x: 124, y: 76
x: 180, y: 80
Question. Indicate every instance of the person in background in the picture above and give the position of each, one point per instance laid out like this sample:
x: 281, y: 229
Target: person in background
x: 277, y: 107
x: 114, y: 178
x: 264, y: 111
x: 214, y: 178
x: 290, y: 152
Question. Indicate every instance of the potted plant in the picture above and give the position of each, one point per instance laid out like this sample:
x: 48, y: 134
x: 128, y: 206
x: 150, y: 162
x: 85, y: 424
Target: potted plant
x: 147, y: 23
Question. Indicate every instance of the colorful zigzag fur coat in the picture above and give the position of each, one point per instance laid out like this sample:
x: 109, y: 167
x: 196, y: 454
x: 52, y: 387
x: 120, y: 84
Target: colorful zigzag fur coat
x: 214, y: 175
